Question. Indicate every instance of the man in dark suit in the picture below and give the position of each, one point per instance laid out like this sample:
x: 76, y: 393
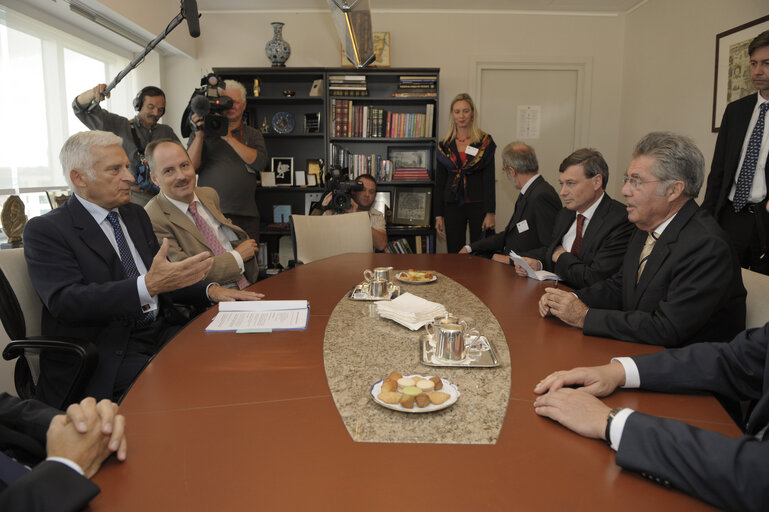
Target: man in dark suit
x: 739, y: 175
x: 591, y: 230
x: 73, y: 446
x: 680, y: 280
x: 727, y: 473
x: 190, y: 218
x: 532, y: 222
x: 101, y: 275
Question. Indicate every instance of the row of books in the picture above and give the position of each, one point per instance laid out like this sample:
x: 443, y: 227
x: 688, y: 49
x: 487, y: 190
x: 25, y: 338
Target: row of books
x: 347, y: 85
x: 350, y: 120
x: 411, y: 174
x: 421, y: 244
x: 357, y: 164
x: 417, y: 86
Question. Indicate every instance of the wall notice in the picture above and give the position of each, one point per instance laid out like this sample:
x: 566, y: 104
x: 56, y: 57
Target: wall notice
x: 529, y: 117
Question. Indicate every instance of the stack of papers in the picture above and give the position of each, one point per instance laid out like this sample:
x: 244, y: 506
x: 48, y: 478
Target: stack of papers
x: 539, y: 275
x: 410, y: 311
x: 260, y: 316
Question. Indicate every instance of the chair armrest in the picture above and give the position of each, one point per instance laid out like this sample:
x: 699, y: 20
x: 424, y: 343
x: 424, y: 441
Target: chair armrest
x: 85, y: 350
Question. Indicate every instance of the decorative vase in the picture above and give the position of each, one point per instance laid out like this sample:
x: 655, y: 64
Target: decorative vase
x: 277, y: 50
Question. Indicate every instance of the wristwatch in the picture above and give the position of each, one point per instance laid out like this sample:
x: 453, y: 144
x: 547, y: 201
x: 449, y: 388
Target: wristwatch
x: 609, y: 419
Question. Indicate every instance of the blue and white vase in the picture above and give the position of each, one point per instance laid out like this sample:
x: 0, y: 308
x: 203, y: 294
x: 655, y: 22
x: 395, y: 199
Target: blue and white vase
x: 277, y: 50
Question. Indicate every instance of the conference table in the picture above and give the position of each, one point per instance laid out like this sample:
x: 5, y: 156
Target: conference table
x: 224, y: 421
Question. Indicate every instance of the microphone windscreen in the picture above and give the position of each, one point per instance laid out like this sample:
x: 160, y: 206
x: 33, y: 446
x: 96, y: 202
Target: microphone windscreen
x: 199, y: 105
x: 190, y: 11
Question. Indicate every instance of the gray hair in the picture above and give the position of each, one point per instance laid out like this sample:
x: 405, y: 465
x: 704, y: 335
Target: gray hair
x: 592, y: 163
x: 520, y: 157
x: 677, y: 159
x: 76, y: 152
x: 234, y: 85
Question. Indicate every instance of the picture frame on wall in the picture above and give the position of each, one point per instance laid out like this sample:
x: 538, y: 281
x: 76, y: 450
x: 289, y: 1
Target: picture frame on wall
x: 381, y: 42
x: 412, y: 206
x: 410, y: 157
x: 732, y: 71
x: 314, y: 169
x: 283, y: 169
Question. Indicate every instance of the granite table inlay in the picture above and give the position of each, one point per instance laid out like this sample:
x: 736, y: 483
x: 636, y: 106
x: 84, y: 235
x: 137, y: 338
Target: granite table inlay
x: 361, y: 348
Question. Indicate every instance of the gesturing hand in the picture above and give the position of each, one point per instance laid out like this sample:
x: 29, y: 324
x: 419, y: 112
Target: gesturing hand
x: 165, y: 276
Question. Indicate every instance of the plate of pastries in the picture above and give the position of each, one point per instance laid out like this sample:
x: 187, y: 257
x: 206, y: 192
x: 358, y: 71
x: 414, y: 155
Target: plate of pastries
x: 414, y: 393
x: 412, y: 276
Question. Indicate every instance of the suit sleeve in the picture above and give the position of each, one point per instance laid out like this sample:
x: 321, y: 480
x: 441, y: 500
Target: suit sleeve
x: 29, y: 417
x: 49, y: 486
x: 717, y: 168
x: 489, y: 184
x: 728, y: 473
x: 546, y: 207
x: 490, y: 244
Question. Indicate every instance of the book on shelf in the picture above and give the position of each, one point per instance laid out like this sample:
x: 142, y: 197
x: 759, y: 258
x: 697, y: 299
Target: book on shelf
x: 365, y: 121
x: 400, y: 246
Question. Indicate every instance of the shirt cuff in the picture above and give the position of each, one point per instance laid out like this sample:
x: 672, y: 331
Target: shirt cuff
x: 632, y: 377
x: 72, y: 464
x: 238, y: 260
x: 618, y: 426
x: 468, y: 249
x: 207, y: 295
x: 147, y: 301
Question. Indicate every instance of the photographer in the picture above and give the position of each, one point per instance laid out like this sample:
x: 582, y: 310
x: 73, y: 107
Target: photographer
x: 361, y: 201
x: 231, y: 163
x: 150, y: 105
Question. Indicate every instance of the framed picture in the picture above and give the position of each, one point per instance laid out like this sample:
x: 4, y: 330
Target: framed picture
x: 314, y: 168
x: 410, y: 157
x: 283, y: 169
x: 412, y: 206
x: 732, y: 76
x: 381, y: 42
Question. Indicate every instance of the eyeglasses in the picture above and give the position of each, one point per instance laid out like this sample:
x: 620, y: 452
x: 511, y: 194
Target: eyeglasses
x: 636, y: 183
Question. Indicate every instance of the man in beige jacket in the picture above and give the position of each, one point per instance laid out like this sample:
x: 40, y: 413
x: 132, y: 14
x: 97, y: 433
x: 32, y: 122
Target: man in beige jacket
x: 191, y: 219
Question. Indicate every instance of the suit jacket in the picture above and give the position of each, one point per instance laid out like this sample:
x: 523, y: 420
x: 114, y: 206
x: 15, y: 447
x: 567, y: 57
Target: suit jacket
x: 604, y: 243
x: 50, y: 485
x: 728, y: 473
x: 726, y: 156
x: 538, y: 207
x: 690, y: 290
x: 85, y: 294
x: 186, y: 239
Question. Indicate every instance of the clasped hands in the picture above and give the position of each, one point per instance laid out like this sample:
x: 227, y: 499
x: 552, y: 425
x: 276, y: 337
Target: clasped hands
x: 564, y: 305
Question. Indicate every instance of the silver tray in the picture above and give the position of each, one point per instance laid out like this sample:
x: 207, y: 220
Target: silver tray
x: 359, y: 292
x: 485, y: 358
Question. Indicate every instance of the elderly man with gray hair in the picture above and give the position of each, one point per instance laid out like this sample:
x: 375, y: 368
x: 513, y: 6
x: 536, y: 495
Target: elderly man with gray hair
x: 231, y: 164
x: 680, y: 280
x: 531, y: 225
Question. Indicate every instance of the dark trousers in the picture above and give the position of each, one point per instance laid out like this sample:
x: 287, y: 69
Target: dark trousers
x: 747, y: 230
x: 456, y: 219
x: 248, y: 224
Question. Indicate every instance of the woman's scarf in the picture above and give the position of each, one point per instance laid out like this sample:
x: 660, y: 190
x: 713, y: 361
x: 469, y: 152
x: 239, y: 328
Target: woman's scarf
x: 448, y: 157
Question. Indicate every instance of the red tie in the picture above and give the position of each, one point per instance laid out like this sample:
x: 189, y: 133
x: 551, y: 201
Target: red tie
x: 577, y: 245
x: 213, y: 242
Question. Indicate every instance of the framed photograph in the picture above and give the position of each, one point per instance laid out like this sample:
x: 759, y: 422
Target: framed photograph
x: 732, y: 75
x: 283, y: 169
x: 281, y: 213
x: 314, y: 166
x: 410, y: 157
x: 412, y: 206
x: 381, y: 42
x: 312, y: 180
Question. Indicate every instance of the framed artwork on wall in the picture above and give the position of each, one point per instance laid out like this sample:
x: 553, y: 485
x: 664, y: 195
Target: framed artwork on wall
x: 283, y: 169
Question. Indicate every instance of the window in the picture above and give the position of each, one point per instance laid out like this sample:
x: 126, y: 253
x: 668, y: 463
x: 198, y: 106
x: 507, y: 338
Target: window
x: 42, y: 70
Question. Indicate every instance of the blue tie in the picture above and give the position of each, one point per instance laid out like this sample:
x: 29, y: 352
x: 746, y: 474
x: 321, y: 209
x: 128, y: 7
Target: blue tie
x: 748, y: 170
x: 129, y: 265
x: 10, y: 470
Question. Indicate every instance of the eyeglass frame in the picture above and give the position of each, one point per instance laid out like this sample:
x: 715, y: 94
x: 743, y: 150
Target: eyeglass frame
x: 636, y: 182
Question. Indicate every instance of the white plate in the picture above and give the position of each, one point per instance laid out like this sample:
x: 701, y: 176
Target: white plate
x: 399, y: 277
x: 448, y: 387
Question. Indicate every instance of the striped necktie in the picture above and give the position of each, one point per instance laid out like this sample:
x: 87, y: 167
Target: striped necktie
x: 651, y: 239
x: 213, y: 242
x: 748, y: 170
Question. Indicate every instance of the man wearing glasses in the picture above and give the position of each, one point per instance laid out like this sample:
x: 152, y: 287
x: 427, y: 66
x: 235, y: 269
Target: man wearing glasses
x: 680, y: 279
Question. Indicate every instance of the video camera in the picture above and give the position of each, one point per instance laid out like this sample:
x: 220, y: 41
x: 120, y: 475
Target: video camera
x: 339, y: 184
x: 207, y: 102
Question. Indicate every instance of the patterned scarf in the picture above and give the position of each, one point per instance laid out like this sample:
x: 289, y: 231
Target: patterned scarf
x: 448, y: 157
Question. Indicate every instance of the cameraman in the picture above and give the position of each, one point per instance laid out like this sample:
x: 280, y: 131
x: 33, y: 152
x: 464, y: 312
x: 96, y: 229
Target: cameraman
x: 231, y: 164
x: 361, y: 201
x: 150, y: 105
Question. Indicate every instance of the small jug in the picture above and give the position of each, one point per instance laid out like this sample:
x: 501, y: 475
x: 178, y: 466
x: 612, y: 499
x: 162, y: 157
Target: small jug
x: 452, y: 343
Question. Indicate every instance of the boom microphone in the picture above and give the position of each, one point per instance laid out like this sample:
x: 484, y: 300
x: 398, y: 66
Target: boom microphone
x: 200, y: 105
x: 190, y: 11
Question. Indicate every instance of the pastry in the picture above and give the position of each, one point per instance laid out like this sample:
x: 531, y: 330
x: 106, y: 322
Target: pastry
x: 405, y: 382
x: 422, y: 400
x: 389, y: 385
x: 411, y: 391
x: 427, y: 386
x: 407, y: 401
x: 389, y: 397
x: 438, y: 397
x: 395, y: 376
x: 438, y: 383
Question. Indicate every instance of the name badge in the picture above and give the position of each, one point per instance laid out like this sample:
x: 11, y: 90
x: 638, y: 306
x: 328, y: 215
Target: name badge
x: 471, y: 150
x: 522, y: 226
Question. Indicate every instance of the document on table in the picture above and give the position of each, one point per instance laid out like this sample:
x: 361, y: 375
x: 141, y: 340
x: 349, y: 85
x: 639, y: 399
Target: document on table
x: 539, y: 275
x: 260, y: 316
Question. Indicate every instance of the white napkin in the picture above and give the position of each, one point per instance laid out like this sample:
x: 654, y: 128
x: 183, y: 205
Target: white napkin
x: 410, y: 310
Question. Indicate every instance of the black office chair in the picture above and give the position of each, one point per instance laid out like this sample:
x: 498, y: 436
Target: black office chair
x: 16, y: 289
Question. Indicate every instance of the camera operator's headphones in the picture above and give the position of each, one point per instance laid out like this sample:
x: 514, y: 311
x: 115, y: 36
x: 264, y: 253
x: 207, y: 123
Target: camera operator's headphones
x: 150, y: 90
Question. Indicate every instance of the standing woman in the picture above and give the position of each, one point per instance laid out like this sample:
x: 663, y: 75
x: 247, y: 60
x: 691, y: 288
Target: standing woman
x: 464, y: 178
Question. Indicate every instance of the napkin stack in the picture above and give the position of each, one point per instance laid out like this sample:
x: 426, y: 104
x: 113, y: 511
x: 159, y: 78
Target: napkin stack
x: 410, y: 311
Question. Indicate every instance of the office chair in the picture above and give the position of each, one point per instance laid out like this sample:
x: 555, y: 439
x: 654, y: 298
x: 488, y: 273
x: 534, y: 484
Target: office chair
x: 321, y: 236
x: 757, y: 301
x: 20, y: 313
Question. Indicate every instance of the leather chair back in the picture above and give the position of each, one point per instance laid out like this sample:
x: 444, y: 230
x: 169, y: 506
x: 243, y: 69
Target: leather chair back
x: 322, y: 236
x: 757, y: 301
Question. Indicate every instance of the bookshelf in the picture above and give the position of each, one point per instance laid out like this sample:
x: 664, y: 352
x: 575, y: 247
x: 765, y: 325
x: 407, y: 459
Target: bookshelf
x: 359, y: 119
